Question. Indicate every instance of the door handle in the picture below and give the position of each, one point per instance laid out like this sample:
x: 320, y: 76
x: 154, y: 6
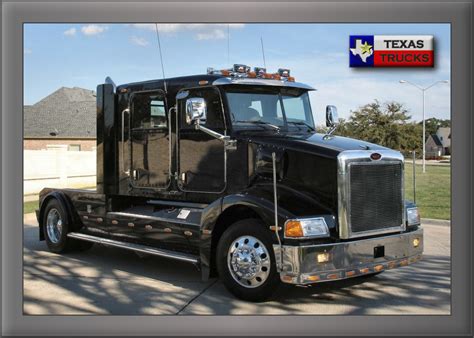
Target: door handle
x: 127, y: 110
x: 135, y: 174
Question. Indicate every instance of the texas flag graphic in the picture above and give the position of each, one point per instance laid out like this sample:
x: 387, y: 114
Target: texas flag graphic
x: 391, y: 51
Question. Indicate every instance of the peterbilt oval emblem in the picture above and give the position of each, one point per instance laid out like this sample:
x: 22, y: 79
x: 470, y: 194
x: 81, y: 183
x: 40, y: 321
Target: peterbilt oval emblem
x: 375, y: 156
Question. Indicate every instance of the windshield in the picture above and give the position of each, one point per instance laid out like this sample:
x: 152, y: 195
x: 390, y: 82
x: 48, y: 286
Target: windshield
x: 277, y: 108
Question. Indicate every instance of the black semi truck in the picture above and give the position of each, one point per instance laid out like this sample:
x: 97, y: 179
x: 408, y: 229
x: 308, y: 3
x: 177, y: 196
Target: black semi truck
x: 226, y: 171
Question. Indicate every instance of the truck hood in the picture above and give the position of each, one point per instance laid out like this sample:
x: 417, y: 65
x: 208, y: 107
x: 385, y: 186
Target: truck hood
x: 315, y: 143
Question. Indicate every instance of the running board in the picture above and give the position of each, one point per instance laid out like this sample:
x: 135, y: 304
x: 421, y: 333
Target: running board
x: 135, y: 247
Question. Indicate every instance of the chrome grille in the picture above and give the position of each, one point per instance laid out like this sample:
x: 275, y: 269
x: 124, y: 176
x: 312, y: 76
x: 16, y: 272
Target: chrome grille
x: 370, y: 193
x: 375, y: 196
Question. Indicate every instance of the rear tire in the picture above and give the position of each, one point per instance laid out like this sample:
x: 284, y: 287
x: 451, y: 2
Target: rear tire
x: 246, y: 262
x: 56, y: 226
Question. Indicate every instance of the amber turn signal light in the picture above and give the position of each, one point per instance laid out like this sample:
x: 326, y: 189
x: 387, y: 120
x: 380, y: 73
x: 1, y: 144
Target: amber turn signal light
x: 293, y: 229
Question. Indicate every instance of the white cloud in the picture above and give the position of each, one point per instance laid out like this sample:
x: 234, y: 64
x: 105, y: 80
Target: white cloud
x: 27, y: 51
x: 70, y: 32
x: 216, y: 34
x: 139, y: 41
x: 203, y: 31
x: 349, y: 88
x: 93, y: 29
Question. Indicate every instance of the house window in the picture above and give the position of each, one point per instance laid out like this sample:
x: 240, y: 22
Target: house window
x: 74, y: 147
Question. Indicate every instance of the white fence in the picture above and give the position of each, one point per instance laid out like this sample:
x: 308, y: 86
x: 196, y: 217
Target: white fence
x: 58, y: 168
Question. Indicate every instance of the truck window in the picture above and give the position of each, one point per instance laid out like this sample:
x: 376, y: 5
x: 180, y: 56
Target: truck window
x: 296, y: 108
x: 149, y: 111
x: 280, y: 107
x: 149, y: 140
x: 255, y: 107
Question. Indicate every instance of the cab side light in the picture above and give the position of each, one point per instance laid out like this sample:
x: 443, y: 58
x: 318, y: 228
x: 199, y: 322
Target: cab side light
x: 378, y: 268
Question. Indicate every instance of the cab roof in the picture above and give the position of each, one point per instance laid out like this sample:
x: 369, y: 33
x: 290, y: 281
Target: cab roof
x: 175, y: 84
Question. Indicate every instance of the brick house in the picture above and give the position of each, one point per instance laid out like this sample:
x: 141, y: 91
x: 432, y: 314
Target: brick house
x: 434, y: 147
x: 65, y: 118
x: 444, y: 135
x: 439, y: 144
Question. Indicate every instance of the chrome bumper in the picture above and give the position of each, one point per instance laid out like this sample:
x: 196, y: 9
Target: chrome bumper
x: 299, y: 264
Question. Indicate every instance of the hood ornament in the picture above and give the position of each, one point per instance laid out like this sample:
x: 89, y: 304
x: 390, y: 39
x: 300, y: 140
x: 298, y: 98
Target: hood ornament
x: 375, y: 156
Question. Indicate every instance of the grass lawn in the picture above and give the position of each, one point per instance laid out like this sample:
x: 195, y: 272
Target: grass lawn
x: 30, y: 207
x: 433, y: 190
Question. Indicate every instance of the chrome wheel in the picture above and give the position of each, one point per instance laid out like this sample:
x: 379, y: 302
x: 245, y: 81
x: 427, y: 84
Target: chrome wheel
x: 54, y: 225
x: 248, y: 261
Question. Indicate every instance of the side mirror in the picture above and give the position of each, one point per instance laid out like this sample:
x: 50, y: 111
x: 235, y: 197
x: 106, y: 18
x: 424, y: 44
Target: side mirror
x: 332, y: 118
x: 195, y: 110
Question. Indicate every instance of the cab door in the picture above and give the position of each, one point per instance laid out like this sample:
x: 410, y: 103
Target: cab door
x: 149, y: 141
x: 201, y: 159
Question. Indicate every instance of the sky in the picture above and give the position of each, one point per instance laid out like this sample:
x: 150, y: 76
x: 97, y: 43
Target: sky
x: 83, y: 55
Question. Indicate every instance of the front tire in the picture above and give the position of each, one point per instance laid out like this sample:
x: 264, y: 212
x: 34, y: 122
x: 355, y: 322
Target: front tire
x: 246, y: 262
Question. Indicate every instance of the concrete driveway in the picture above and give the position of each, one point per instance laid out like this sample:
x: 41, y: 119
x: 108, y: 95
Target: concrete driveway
x: 113, y: 281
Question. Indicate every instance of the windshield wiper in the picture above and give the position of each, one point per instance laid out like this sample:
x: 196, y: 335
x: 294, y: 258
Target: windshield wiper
x: 301, y: 123
x: 259, y: 122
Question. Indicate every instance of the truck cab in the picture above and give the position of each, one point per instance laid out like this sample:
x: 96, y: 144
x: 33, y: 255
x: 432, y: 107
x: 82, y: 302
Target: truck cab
x: 225, y: 170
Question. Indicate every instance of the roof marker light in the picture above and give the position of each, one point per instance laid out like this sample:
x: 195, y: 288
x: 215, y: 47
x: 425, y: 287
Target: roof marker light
x: 252, y: 74
x: 284, y: 72
x: 260, y: 71
x: 241, y: 68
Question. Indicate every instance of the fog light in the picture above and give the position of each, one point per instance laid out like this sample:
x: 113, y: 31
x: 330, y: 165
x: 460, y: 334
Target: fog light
x: 416, y: 242
x: 323, y: 257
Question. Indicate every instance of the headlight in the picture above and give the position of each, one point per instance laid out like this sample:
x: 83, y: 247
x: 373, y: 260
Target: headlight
x: 306, y: 228
x: 413, y: 216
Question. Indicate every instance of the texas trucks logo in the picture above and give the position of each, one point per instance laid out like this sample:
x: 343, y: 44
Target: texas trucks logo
x: 391, y: 51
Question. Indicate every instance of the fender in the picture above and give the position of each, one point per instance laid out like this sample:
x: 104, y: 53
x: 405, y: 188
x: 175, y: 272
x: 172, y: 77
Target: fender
x: 218, y: 210
x: 45, y: 196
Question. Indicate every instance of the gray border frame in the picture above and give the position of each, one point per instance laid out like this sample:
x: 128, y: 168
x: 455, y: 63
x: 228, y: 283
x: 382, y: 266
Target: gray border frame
x: 456, y: 12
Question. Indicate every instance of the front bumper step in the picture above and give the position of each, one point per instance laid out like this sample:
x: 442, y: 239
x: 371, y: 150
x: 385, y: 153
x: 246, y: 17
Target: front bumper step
x: 299, y: 264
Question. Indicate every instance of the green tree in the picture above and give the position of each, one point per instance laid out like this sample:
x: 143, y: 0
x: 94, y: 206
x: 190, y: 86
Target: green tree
x: 386, y: 124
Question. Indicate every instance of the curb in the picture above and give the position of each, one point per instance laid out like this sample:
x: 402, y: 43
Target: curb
x: 441, y: 222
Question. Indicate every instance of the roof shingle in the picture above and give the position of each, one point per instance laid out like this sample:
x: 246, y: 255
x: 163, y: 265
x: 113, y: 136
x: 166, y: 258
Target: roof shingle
x: 67, y: 112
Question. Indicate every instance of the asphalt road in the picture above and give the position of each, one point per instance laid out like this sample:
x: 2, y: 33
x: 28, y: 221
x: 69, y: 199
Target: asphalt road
x: 113, y: 281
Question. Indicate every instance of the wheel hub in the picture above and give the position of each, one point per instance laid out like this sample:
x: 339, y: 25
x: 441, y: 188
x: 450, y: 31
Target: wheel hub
x: 249, y: 261
x: 245, y: 262
x: 54, y: 225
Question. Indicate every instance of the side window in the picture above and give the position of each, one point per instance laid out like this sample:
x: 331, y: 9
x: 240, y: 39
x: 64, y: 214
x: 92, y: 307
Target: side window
x: 215, y: 115
x: 149, y: 111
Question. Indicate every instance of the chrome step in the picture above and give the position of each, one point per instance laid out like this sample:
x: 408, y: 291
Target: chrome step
x: 135, y: 247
